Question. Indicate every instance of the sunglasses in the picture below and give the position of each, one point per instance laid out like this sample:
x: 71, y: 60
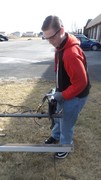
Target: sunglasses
x: 52, y: 35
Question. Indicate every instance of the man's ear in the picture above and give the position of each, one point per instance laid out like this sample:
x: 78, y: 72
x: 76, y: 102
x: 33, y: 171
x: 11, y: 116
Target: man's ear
x: 62, y: 31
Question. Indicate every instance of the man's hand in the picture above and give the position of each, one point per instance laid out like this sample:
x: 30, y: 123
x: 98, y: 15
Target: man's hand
x: 58, y: 96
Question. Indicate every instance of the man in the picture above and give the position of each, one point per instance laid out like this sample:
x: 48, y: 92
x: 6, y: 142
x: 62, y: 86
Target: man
x: 72, y: 82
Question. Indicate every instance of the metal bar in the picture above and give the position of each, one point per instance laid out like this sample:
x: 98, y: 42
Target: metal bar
x: 33, y: 147
x: 36, y: 115
x: 36, y: 148
x: 2, y: 135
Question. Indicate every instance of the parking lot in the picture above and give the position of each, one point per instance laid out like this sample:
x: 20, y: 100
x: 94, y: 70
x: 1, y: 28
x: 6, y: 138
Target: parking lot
x: 28, y: 59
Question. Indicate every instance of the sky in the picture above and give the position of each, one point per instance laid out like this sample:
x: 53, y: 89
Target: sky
x: 28, y: 15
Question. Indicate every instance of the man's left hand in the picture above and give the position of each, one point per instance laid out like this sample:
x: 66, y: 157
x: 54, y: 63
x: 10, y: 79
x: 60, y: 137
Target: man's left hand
x: 58, y: 96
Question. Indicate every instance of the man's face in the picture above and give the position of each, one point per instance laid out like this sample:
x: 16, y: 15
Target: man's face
x: 54, y: 37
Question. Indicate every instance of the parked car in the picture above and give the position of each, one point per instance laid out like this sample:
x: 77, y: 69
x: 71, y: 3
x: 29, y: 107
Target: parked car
x: 79, y: 35
x: 88, y: 44
x: 3, y: 38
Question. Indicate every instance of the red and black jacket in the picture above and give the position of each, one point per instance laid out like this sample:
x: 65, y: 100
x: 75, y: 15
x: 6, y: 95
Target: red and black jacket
x: 73, y: 80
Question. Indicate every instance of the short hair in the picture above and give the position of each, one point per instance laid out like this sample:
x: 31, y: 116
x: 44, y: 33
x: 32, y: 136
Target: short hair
x: 52, y: 22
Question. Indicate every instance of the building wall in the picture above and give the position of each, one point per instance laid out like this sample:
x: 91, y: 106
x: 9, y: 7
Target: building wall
x: 92, y: 28
x: 95, y: 32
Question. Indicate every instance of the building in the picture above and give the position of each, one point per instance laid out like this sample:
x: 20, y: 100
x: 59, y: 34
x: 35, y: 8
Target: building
x: 17, y: 34
x: 93, y: 28
x: 85, y: 32
x: 2, y: 32
x: 28, y: 34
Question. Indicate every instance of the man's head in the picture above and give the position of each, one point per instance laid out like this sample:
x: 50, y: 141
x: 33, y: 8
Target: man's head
x: 53, y: 30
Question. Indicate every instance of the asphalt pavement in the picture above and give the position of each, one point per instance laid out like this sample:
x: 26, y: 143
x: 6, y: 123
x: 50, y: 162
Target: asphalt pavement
x: 28, y: 59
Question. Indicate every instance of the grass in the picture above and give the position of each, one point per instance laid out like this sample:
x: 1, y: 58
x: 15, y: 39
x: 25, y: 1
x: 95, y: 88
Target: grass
x: 83, y: 164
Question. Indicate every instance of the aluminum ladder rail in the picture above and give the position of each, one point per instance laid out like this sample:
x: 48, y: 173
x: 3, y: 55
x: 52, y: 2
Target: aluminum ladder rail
x: 34, y: 147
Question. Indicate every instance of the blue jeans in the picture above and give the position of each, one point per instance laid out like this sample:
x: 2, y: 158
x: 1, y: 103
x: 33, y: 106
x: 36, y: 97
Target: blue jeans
x: 64, y: 127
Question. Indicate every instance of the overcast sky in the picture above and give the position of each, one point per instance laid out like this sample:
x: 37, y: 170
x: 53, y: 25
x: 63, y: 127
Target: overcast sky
x: 28, y: 15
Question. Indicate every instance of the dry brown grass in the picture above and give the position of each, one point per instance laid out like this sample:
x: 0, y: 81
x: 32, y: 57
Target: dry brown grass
x: 83, y: 164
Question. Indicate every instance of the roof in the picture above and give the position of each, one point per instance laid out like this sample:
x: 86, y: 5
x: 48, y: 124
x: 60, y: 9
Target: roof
x: 95, y: 21
x: 88, y: 22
